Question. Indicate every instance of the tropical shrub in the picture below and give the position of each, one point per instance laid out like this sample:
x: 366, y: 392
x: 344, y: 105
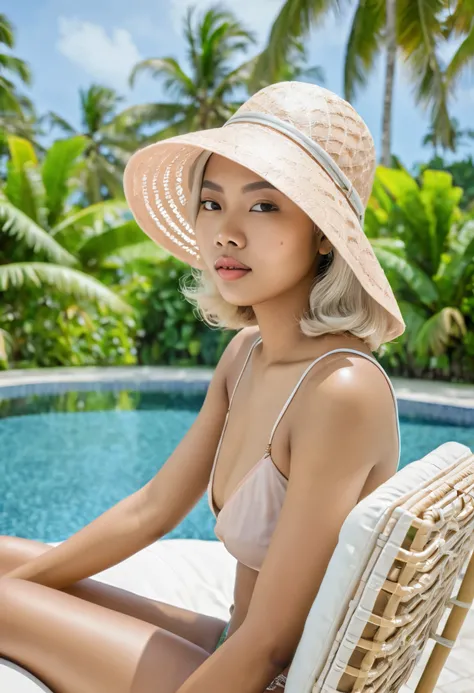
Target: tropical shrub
x: 463, y: 176
x: 426, y: 247
x: 171, y: 333
x: 51, y: 248
x: 48, y: 330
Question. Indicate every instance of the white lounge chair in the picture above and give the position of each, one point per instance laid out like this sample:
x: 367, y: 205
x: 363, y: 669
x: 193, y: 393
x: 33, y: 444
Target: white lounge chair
x: 388, y: 586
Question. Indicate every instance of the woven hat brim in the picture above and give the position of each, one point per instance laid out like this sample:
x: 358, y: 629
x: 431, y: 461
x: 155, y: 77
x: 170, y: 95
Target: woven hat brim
x: 157, y: 179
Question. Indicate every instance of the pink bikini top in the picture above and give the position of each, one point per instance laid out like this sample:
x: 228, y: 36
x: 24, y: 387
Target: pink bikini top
x: 248, y: 518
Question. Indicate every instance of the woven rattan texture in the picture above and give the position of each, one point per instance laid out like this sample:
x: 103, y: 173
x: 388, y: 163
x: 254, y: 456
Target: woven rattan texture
x: 419, y: 586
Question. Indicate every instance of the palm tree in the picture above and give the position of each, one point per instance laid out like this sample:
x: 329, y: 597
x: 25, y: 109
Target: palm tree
x: 204, y: 96
x: 109, y: 142
x: 460, y: 137
x: 411, y: 27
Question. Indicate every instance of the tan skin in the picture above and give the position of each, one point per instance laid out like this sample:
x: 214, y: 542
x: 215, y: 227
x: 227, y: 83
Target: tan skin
x: 335, y: 444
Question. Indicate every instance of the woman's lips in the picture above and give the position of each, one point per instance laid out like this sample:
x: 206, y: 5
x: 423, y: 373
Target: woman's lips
x: 231, y: 274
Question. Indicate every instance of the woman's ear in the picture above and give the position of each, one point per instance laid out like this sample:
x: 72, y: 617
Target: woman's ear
x: 325, y: 246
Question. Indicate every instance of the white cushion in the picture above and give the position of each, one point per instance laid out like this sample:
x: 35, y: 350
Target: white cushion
x: 353, y: 553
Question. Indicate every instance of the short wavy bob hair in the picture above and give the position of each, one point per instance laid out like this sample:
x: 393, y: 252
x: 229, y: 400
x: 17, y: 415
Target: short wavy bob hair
x: 337, y: 304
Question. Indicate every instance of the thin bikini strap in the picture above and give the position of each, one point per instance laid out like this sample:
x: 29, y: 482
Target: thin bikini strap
x: 211, y: 478
x: 242, y: 371
x: 336, y: 351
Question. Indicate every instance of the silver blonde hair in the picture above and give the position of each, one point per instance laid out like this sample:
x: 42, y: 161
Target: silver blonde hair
x: 337, y: 301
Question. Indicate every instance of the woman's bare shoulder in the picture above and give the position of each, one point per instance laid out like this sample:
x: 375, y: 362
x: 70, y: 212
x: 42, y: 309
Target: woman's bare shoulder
x: 356, y: 389
x: 236, y: 352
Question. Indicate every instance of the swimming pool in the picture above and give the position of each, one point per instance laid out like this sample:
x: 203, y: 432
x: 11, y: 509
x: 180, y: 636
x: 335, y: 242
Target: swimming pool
x: 65, y: 459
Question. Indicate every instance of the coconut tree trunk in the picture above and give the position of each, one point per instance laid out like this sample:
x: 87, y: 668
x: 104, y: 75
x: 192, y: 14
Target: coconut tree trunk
x: 391, y: 49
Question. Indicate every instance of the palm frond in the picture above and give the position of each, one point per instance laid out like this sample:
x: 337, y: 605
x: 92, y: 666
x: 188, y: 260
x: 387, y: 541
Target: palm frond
x: 146, y: 251
x: 363, y: 45
x: 418, y: 28
x: 6, y: 31
x: 64, y: 279
x: 164, y: 67
x: 105, y: 244
x: 9, y: 100
x: 236, y: 78
x: 179, y: 127
x: 17, y: 223
x: 438, y: 331
x: 459, y: 21
x: 107, y: 210
x: 461, y: 60
x: 393, y: 245
x: 110, y: 175
x: 455, y: 274
x: 190, y: 37
x: 21, y: 151
x: 148, y: 114
x: 19, y: 189
x: 38, y: 194
x: 53, y: 120
x: 414, y: 317
x: 294, y: 21
x: 58, y: 166
x: 419, y: 282
x: 98, y: 106
x: 16, y: 66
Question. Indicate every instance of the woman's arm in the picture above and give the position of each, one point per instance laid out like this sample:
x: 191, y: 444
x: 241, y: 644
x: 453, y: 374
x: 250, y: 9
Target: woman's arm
x: 151, y: 512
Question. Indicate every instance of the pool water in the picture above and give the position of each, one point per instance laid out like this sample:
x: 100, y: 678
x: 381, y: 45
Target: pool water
x: 61, y: 469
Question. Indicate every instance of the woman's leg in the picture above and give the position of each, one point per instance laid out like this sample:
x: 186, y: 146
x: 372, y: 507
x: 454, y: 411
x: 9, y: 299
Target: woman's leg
x: 200, y: 629
x: 74, y: 646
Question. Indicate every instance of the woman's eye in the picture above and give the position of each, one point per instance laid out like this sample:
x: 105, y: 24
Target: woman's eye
x: 265, y: 207
x: 208, y: 205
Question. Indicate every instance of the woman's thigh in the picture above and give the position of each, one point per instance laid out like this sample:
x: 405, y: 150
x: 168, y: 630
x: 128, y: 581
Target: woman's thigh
x: 200, y: 629
x: 74, y: 646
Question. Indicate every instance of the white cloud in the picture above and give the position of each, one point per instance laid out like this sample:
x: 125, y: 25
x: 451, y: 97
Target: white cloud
x: 108, y: 59
x: 256, y: 15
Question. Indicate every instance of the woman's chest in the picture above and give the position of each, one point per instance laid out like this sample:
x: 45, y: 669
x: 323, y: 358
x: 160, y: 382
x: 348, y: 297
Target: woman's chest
x: 251, y: 426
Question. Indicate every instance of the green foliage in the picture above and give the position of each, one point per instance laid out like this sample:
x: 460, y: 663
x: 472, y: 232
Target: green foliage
x: 463, y: 176
x: 47, y: 330
x: 171, y: 333
x: 426, y: 247
x: 73, y: 262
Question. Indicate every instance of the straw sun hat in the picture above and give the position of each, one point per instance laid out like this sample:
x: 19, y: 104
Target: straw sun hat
x: 305, y: 140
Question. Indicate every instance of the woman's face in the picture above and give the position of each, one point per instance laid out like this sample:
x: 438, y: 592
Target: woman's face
x: 243, y: 217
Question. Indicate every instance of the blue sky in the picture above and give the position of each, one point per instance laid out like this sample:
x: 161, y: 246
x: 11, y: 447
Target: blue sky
x: 71, y: 45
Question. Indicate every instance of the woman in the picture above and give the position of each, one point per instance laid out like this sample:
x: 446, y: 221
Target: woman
x: 268, y: 211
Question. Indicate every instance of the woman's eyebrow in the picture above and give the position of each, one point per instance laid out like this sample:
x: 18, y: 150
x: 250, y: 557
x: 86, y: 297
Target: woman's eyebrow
x: 212, y: 186
x: 258, y: 185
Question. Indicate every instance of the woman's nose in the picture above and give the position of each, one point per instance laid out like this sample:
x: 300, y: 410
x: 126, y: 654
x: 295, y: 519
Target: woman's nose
x: 229, y: 236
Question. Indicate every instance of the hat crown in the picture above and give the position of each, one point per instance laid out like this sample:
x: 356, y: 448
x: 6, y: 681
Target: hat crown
x: 327, y: 119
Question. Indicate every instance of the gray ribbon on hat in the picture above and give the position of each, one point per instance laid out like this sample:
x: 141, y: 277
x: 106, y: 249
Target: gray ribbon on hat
x: 313, y: 148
